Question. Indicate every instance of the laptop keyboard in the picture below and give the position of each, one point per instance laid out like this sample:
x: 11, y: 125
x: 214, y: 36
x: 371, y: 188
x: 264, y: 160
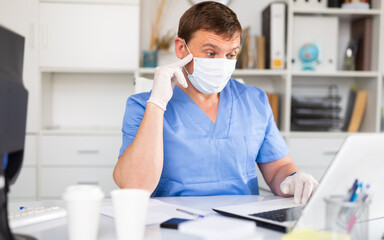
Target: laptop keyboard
x: 280, y: 215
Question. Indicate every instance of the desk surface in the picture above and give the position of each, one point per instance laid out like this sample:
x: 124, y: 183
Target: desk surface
x: 57, y: 229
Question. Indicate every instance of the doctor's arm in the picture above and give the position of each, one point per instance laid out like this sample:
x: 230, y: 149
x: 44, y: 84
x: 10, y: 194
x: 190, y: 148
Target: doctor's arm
x: 141, y: 164
x: 278, y: 175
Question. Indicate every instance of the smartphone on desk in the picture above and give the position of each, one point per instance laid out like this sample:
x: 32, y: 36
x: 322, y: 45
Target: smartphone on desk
x: 173, y: 223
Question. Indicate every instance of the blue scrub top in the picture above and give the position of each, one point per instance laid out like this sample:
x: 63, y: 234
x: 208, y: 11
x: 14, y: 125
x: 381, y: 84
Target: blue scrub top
x: 202, y: 158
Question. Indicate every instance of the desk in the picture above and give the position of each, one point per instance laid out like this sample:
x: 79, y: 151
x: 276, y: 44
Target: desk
x: 57, y: 229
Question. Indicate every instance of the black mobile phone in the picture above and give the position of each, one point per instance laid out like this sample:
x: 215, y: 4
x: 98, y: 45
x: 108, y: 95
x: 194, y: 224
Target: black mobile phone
x: 173, y: 223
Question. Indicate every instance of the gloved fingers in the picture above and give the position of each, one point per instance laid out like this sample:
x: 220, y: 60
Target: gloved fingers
x: 308, y: 189
x: 180, y: 78
x: 184, y: 61
x: 315, y: 183
x: 298, y: 190
x: 286, y: 186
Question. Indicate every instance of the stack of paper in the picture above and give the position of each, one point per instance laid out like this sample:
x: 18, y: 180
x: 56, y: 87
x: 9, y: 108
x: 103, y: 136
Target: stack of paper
x: 220, y: 228
x: 158, y: 211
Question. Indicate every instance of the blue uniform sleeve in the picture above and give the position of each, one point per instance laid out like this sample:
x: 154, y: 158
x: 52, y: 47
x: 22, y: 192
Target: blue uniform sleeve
x: 134, y: 113
x: 274, y: 146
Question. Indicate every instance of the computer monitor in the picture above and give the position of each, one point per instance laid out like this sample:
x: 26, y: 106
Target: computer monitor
x: 13, y: 114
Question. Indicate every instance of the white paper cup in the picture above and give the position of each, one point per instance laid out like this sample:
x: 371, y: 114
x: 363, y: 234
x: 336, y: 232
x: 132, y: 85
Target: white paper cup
x: 130, y: 207
x: 83, y: 209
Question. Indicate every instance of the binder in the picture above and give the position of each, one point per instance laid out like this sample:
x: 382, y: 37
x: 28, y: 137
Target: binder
x: 349, y: 109
x: 274, y: 19
x: 362, y: 28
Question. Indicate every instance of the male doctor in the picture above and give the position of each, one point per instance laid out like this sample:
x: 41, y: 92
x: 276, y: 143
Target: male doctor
x: 200, y: 132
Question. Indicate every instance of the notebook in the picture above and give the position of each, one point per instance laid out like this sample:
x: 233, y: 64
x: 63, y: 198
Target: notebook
x: 360, y: 156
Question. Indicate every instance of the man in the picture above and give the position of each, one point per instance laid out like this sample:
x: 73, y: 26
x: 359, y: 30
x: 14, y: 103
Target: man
x: 198, y: 132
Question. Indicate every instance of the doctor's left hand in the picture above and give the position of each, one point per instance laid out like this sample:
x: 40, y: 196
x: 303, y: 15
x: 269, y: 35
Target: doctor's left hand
x: 301, y: 185
x: 165, y: 80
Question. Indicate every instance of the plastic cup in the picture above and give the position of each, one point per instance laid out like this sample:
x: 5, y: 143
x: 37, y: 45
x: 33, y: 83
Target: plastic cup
x: 83, y: 210
x: 346, y: 218
x: 130, y: 208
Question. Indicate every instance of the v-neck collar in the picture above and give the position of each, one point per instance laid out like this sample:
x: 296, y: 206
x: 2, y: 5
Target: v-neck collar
x: 223, y: 118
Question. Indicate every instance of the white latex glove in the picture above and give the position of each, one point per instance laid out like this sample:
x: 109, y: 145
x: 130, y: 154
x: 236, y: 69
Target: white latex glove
x: 165, y: 80
x: 301, y: 185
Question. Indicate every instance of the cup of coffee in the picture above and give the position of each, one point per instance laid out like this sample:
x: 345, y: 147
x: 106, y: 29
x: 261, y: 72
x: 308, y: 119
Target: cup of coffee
x: 130, y: 208
x: 83, y: 210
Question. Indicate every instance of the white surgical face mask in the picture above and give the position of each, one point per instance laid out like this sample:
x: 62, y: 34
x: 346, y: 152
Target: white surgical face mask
x: 210, y: 75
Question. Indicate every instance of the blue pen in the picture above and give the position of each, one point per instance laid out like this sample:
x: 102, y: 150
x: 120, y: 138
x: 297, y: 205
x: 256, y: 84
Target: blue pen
x: 357, y: 192
x: 190, y: 213
x: 352, y: 190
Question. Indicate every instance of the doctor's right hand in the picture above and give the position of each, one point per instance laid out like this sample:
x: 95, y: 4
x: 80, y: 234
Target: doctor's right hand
x: 165, y: 80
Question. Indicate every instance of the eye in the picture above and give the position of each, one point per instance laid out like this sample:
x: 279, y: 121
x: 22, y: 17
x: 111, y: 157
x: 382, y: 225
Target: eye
x: 210, y: 54
x: 231, y: 56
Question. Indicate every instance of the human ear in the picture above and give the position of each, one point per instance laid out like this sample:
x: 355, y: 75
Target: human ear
x: 180, y: 49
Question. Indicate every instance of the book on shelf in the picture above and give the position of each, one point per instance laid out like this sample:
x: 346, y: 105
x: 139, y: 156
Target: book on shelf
x: 273, y: 99
x: 274, y: 26
x: 260, y: 52
x: 335, y: 3
x: 358, y: 111
x: 362, y: 29
x: 349, y: 109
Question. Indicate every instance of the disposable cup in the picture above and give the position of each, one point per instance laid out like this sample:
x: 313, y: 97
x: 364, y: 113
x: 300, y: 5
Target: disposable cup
x: 83, y: 210
x: 130, y: 208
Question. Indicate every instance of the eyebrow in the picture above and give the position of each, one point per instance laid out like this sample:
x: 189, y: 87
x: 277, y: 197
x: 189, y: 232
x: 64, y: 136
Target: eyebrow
x: 215, y: 46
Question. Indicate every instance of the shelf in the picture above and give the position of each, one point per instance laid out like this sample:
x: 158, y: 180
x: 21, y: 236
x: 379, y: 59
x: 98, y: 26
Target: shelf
x: 63, y: 132
x: 87, y: 70
x: 146, y: 70
x: 92, y: 1
x: 337, y: 12
x: 299, y: 134
x: 336, y: 134
x: 354, y: 74
x: 237, y: 72
x: 257, y: 72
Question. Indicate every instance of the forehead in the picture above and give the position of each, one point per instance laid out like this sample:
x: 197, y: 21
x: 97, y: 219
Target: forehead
x: 203, y: 37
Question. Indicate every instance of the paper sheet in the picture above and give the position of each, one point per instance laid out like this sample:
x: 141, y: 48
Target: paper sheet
x: 158, y: 211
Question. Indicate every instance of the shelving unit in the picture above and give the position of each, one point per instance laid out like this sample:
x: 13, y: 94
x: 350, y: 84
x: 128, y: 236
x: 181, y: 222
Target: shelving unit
x: 77, y: 101
x: 337, y: 12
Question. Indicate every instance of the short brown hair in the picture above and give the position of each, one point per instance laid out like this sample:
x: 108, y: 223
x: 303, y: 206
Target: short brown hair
x: 209, y: 16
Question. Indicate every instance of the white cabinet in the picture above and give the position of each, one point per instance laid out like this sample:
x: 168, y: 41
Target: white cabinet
x: 30, y: 151
x: 80, y: 150
x: 89, y: 51
x: 69, y: 160
x: 89, y: 36
x: 53, y: 181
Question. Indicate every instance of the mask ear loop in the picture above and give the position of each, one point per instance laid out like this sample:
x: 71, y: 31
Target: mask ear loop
x: 189, y: 53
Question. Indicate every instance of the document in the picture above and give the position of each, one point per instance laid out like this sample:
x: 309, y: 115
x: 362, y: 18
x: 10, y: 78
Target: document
x: 158, y: 211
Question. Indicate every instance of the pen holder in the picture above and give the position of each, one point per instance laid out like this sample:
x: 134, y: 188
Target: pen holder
x: 344, y: 217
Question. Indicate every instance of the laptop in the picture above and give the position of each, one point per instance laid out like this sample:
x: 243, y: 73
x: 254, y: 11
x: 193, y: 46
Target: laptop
x: 361, y: 156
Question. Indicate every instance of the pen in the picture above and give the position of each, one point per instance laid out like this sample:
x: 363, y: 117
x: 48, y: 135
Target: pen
x: 353, y: 190
x: 190, y: 213
x: 357, y: 192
